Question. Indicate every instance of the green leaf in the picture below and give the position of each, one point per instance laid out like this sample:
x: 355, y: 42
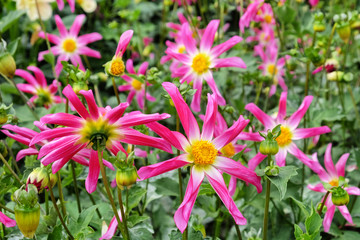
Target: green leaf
x: 141, y: 231
x: 50, y: 58
x: 285, y: 14
x: 282, y: 179
x: 348, y: 235
x: 206, y: 189
x: 167, y: 187
x: 7, y: 21
x: 135, y: 219
x: 86, y: 216
x: 135, y: 195
x: 56, y: 234
x: 298, y: 232
x: 302, y: 207
x: 13, y: 45
x: 313, y: 223
x: 175, y: 235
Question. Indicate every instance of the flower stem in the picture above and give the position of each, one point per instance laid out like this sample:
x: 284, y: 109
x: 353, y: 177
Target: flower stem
x: 75, y: 186
x: 107, y: 188
x: 123, y: 215
x: 94, y: 203
x: 115, y: 90
x: 58, y: 213
x: 323, y: 203
x: 10, y: 169
x: 238, y: 232
x: 7, y: 209
x: 267, y: 200
x: 127, y: 201
x: 61, y: 195
x: 12, y: 156
x: 46, y: 202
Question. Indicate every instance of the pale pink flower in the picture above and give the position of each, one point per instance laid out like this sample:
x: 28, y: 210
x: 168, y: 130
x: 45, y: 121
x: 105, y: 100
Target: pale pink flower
x: 198, y: 62
x: 331, y: 176
x: 290, y: 131
x: 43, y: 94
x: 8, y: 222
x: 79, y: 133
x: 69, y: 46
x: 60, y: 4
x: 201, y: 152
x: 136, y: 87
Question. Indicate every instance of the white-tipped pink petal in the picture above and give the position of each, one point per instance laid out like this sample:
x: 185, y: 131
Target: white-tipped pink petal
x: 317, y: 188
x: 280, y: 157
x: 182, y: 215
x: 210, y: 118
x: 301, y: 133
x: 230, y: 134
x: 123, y: 42
x: 345, y: 212
x: 75, y: 101
x: 265, y: 119
x: 207, y: 39
x: 329, y: 215
x: 166, y: 134
x: 353, y: 190
x: 340, y: 165
x: 329, y: 164
x: 232, y: 185
x: 295, y: 119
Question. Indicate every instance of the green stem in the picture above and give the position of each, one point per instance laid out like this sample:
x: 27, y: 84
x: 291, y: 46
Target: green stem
x: 107, y: 188
x: 75, y: 186
x: 58, y: 213
x: 94, y: 203
x: 61, y: 195
x: 354, y: 103
x: 115, y: 90
x: 123, y: 215
x: 97, y: 95
x: 46, y: 202
x: 127, y: 201
x: 238, y: 232
x: 323, y: 203
x: 6, y: 208
x: 267, y: 200
x: 10, y: 169
x: 12, y: 157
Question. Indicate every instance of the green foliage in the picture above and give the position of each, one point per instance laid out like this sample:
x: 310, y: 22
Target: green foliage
x: 313, y: 224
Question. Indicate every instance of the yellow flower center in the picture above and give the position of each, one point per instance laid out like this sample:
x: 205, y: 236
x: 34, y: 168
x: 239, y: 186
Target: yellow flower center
x: 268, y: 18
x: 117, y: 67
x: 228, y: 150
x: 285, y: 137
x: 203, y: 152
x: 69, y: 45
x: 80, y: 1
x: 98, y: 127
x: 44, y: 96
x: 201, y: 63
x: 272, y: 69
x: 136, y: 84
x: 334, y: 182
x: 181, y: 49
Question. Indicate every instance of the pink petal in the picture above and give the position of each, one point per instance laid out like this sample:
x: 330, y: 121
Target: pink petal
x: 138, y: 118
x: 130, y: 66
x: 123, y: 42
x: 353, y: 190
x: 282, y: 107
x: 143, y: 67
x: 210, y: 118
x: 329, y: 165
x: 317, y: 188
x: 89, y: 52
x: 188, y: 39
x: 187, y: 119
x: 345, y: 212
x: 280, y: 157
x: 207, y: 39
x: 59, y: 66
x: 52, y: 38
x: 217, y: 182
x: 211, y: 82
x: 294, y: 150
x: 340, y: 165
x: 8, y: 222
x: 27, y: 76
x: 93, y: 108
x: 223, y: 47
x: 53, y: 133
x: 60, y: 4
x: 112, y: 228
x: 89, y: 38
x: 317, y: 168
x: 130, y: 96
x: 195, y: 103
x: 76, y: 61
x: 75, y: 28
x: 230, y: 134
x: 75, y: 101
x: 115, y: 114
x: 72, y: 5
x: 232, y: 185
x: 229, y: 62
x: 26, y: 152
x: 166, y: 134
x: 301, y: 133
x: 247, y: 136
x: 329, y: 215
x: 236, y: 169
x: 26, y: 88
x: 162, y: 167
x: 295, y: 119
x: 265, y: 119
x: 63, y: 119
x: 94, y: 170
x: 55, y: 145
x: 182, y: 215
x: 39, y: 75
x: 116, y: 147
x: 60, y: 25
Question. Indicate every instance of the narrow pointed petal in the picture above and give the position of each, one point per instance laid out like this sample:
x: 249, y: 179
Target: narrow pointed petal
x: 210, y: 118
x: 282, y: 106
x: 317, y: 188
x: 223, y: 47
x: 329, y: 164
x: 229, y: 62
x: 130, y: 66
x: 189, y: 41
x: 26, y: 152
x: 8, y: 222
x: 265, y: 119
x: 230, y: 134
x: 89, y: 38
x: 207, y: 39
x: 112, y: 228
x: 123, y: 42
x: 89, y: 52
x: 340, y: 165
x: 115, y: 114
x: 182, y: 215
x: 329, y: 215
x: 217, y: 182
x: 195, y: 103
x: 60, y: 25
x: 143, y: 67
x: 94, y: 170
x: 353, y: 190
x: 166, y: 134
x: 345, y: 212
x: 295, y: 119
x: 26, y: 88
x: 232, y: 185
x: 20, y: 139
x: 294, y: 150
x: 138, y: 118
x: 301, y: 133
x: 236, y: 169
x: 27, y: 76
x: 75, y: 101
x: 75, y: 28
x: 93, y: 108
x: 162, y: 167
x: 247, y: 136
x: 64, y: 119
x: 280, y: 157
x: 211, y: 82
x: 39, y: 75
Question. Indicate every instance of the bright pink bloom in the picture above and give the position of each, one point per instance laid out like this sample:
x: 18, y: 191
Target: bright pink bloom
x: 265, y: 15
x: 331, y: 176
x: 8, y: 222
x: 79, y: 132
x: 289, y: 131
x: 250, y: 14
x: 69, y: 46
x: 136, y: 87
x: 112, y: 228
x: 198, y: 62
x: 43, y: 94
x: 263, y: 36
x: 71, y: 4
x: 313, y: 3
x: 201, y: 152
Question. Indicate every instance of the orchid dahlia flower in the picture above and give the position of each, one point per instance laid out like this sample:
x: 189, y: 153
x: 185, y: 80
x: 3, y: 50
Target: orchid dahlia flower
x: 8, y: 222
x: 69, y: 46
x: 198, y: 62
x: 201, y: 152
x: 80, y: 133
x: 136, y: 87
x: 289, y: 131
x: 43, y: 94
x: 250, y: 14
x: 331, y: 176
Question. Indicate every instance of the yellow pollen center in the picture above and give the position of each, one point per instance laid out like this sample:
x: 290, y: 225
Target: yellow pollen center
x: 272, y: 69
x: 203, y: 152
x: 201, y: 63
x: 268, y: 18
x: 44, y: 96
x: 136, y: 84
x: 334, y: 182
x: 228, y: 150
x: 181, y: 49
x: 69, y: 45
x: 80, y: 1
x: 285, y: 137
x: 117, y: 67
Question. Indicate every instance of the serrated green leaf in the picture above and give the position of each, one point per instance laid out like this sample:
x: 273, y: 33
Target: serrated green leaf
x: 175, y: 235
x: 206, y: 189
x: 302, y: 207
x: 56, y: 233
x: 282, y: 179
x: 167, y: 187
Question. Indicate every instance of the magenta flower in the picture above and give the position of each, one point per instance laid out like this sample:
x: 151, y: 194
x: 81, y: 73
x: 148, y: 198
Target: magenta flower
x: 331, y: 176
x: 43, y: 94
x: 197, y: 63
x: 265, y: 14
x: 263, y: 36
x: 79, y: 133
x: 313, y: 3
x: 201, y: 152
x: 136, y: 87
x: 60, y: 4
x: 8, y: 222
x: 69, y: 46
x: 250, y: 14
x: 289, y: 131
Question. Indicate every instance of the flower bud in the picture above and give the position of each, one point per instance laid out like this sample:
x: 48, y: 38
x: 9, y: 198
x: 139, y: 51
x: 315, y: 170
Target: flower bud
x: 7, y: 65
x: 115, y: 67
x: 39, y: 177
x: 52, y: 179
x: 126, y: 176
x: 269, y: 147
x: 319, y: 26
x: 27, y: 219
x: 335, y: 76
x: 319, y: 206
x: 344, y: 32
x: 291, y: 64
x: 272, y: 171
x: 81, y: 85
x: 102, y: 76
x: 339, y: 196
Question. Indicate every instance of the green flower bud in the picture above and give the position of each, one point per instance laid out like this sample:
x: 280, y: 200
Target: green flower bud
x: 339, y: 196
x: 126, y: 176
x: 344, y: 32
x: 39, y: 177
x: 7, y: 65
x: 272, y: 170
x: 291, y: 64
x: 319, y: 26
x: 335, y: 76
x: 81, y: 85
x: 53, y: 178
x: 102, y: 76
x: 323, y: 210
x: 269, y: 147
x: 27, y: 219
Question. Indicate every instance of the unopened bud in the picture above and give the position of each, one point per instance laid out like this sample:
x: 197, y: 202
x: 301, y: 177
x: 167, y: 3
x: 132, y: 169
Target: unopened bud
x: 269, y: 147
x: 339, y: 196
x: 39, y: 177
x: 272, y: 170
x: 344, y: 32
x: 126, y: 176
x: 7, y: 65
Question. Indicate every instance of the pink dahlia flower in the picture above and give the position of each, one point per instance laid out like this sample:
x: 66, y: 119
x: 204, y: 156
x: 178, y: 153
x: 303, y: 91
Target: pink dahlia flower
x: 43, y: 94
x: 289, y: 131
x: 250, y: 14
x: 198, y: 62
x: 136, y: 87
x: 313, y: 3
x: 331, y: 176
x: 69, y: 46
x: 263, y: 36
x: 8, y: 222
x: 265, y: 14
x: 79, y: 133
x: 201, y: 152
